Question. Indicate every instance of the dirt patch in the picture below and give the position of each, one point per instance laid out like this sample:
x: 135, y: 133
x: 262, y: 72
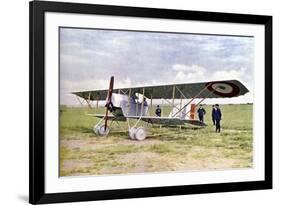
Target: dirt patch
x: 94, y: 143
x: 73, y: 164
x: 200, y: 158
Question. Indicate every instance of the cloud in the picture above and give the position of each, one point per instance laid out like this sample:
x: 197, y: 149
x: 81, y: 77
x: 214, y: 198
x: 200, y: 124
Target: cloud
x: 213, y: 47
x: 230, y: 74
x: 196, y: 73
x: 189, y: 73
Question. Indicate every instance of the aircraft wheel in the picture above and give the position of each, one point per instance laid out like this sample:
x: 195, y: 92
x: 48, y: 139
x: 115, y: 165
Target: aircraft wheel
x: 96, y: 129
x: 132, y: 133
x: 140, y: 134
x: 99, y: 130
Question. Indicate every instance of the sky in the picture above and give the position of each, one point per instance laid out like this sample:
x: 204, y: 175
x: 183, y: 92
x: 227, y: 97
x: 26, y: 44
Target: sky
x: 88, y: 57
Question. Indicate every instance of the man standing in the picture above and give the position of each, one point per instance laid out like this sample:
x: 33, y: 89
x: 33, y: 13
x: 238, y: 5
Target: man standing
x: 158, y: 111
x: 145, y: 107
x: 213, y: 114
x: 217, y: 115
x: 201, y: 112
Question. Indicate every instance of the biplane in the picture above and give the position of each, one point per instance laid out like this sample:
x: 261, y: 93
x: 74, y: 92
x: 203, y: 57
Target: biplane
x: 122, y: 104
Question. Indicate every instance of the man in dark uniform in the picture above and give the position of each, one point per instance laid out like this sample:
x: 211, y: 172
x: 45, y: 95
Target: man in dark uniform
x: 217, y: 115
x: 213, y: 114
x: 158, y: 111
x: 201, y: 112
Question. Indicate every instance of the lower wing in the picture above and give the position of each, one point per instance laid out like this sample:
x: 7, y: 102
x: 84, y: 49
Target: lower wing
x: 109, y: 117
x: 153, y: 120
x: 168, y: 120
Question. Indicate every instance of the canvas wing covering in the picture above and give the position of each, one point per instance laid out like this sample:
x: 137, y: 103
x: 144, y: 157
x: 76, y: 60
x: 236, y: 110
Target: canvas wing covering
x: 168, y: 120
x: 109, y: 117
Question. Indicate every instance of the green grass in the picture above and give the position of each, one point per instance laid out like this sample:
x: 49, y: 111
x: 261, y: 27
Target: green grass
x: 165, y: 149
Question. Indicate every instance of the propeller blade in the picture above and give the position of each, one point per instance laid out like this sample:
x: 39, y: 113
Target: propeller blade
x: 108, y: 103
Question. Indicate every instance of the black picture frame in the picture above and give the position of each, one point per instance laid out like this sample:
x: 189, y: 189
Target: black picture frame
x: 37, y: 9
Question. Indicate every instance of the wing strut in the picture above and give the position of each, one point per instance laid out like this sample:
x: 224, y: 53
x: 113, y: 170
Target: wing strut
x: 190, y: 101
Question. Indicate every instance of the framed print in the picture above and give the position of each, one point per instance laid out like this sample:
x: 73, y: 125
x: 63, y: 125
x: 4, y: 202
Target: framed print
x: 140, y: 102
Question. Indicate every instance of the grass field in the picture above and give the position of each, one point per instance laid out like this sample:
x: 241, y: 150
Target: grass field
x: 165, y: 149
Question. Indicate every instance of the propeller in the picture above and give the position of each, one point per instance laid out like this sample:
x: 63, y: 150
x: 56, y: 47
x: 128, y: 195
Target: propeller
x: 108, y: 102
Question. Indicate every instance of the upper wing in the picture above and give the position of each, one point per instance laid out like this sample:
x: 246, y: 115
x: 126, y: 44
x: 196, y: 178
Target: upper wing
x: 214, y: 89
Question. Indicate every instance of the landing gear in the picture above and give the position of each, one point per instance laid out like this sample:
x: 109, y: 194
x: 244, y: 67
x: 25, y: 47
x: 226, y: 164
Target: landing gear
x: 132, y: 132
x: 103, y: 130
x: 100, y: 130
x: 137, y: 133
x: 140, y: 134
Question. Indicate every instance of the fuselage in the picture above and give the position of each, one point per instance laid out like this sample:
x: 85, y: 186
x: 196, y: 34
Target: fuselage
x: 123, y: 106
